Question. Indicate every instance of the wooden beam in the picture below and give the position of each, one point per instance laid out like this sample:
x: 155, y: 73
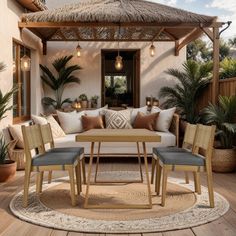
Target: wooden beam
x: 109, y: 40
x: 216, y: 65
x: 44, y: 47
x: 158, y: 33
x: 189, y: 38
x: 176, y: 48
x: 29, y: 24
x: 209, y: 33
x: 171, y: 36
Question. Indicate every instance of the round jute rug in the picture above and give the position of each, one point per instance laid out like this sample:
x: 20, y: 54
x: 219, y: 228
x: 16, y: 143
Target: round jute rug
x: 183, y: 208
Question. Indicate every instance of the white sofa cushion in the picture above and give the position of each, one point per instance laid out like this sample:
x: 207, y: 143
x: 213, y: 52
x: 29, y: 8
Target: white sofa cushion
x: 167, y: 139
x: 164, y: 119
x: 16, y: 134
x: 96, y: 112
x: 57, y: 131
x: 71, y: 121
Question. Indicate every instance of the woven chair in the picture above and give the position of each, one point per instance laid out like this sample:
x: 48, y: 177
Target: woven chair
x: 196, y: 161
x: 46, y: 161
x: 186, y: 147
x: 48, y: 140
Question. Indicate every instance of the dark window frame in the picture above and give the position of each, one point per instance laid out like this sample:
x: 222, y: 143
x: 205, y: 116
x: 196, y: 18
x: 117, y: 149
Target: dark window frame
x: 21, y: 117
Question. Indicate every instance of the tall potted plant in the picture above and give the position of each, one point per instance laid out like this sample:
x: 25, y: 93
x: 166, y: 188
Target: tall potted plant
x: 7, y: 167
x: 191, y: 81
x: 223, y: 116
x: 59, y: 81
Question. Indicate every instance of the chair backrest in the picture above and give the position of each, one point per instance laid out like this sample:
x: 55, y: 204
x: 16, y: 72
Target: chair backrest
x: 204, y: 140
x: 189, y: 136
x: 32, y: 140
x: 47, y: 135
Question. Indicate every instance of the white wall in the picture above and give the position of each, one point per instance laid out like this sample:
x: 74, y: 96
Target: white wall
x: 10, y: 12
x: 152, y: 68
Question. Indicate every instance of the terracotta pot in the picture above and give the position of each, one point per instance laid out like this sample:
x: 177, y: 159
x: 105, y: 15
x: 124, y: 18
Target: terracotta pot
x: 84, y: 104
x: 7, y: 170
x: 224, y: 160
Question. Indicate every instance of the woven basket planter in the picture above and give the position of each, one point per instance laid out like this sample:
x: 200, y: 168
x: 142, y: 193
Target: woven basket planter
x: 224, y: 160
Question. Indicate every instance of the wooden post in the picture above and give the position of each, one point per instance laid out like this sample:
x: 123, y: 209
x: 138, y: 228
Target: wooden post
x: 44, y: 47
x: 216, y: 64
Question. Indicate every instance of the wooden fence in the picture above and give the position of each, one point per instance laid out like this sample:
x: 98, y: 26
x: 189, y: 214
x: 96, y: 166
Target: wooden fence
x: 227, y: 87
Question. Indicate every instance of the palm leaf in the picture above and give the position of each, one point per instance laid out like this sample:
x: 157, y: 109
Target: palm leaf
x: 60, y: 63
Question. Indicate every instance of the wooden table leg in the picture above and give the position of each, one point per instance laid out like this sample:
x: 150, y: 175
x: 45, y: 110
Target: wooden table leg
x: 140, y: 163
x: 97, y: 163
x: 89, y: 175
x: 147, y: 175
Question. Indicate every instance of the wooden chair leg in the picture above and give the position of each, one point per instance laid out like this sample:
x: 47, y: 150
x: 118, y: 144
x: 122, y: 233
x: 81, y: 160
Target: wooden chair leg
x: 78, y: 178
x: 26, y: 187
x: 164, y: 185
x: 39, y: 182
x: 72, y: 185
x: 186, y: 177
x: 140, y: 162
x: 83, y: 170
x: 197, y: 184
x: 158, y: 177
x: 210, y: 186
x: 153, y: 169
x: 50, y: 176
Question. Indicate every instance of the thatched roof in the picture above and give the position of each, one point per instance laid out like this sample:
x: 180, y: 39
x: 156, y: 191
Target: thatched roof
x: 117, y: 11
x: 33, y: 5
x: 99, y: 20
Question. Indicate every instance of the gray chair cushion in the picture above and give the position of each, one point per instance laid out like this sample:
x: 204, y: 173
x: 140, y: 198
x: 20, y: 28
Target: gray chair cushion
x: 77, y: 150
x: 55, y: 158
x: 160, y: 150
x: 181, y: 158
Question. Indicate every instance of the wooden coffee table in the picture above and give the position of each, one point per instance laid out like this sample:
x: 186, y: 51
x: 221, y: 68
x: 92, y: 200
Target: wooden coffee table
x: 118, y: 135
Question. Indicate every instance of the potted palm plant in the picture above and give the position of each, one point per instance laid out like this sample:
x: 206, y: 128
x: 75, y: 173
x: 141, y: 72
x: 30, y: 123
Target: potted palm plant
x: 191, y: 81
x: 58, y: 82
x: 7, y: 167
x: 223, y: 116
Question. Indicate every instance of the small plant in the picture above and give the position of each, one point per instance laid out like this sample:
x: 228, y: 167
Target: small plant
x: 222, y: 116
x: 228, y: 68
x: 95, y: 98
x: 83, y: 97
x: 3, y: 150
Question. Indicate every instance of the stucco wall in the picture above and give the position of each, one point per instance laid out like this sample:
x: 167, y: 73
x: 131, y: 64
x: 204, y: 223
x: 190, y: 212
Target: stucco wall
x: 10, y: 12
x: 152, y: 68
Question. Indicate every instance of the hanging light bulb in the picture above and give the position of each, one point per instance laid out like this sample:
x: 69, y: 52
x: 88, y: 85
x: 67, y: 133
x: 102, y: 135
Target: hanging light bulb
x: 119, y: 59
x: 152, y: 50
x: 25, y: 62
x: 119, y: 63
x: 78, y: 50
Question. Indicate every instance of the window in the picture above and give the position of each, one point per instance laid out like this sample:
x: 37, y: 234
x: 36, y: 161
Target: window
x: 21, y: 99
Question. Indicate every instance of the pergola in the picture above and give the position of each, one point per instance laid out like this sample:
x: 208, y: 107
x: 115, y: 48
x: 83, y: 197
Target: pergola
x: 125, y: 21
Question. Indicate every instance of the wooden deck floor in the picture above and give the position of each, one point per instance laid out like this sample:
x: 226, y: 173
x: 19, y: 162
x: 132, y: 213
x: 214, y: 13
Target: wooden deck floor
x: 225, y: 184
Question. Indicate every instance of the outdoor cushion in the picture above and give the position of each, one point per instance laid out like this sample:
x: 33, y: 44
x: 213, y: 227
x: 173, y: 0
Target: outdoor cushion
x: 143, y: 121
x: 92, y: 122
x: 77, y: 150
x: 54, y: 158
x: 181, y: 158
x: 159, y: 150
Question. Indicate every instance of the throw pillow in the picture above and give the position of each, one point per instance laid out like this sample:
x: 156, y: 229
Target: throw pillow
x: 118, y: 119
x: 71, y: 121
x: 16, y: 134
x: 165, y: 117
x: 96, y: 112
x: 92, y: 122
x: 143, y: 121
x: 135, y: 111
x: 39, y: 120
x: 57, y: 131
